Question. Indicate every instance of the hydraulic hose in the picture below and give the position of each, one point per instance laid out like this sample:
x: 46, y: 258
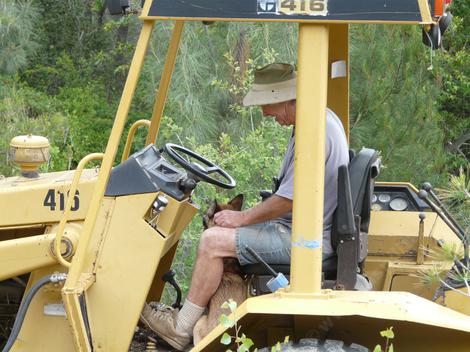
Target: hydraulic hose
x: 54, y: 278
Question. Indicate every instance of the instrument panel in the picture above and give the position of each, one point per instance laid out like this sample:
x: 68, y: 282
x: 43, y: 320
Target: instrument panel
x: 396, y: 198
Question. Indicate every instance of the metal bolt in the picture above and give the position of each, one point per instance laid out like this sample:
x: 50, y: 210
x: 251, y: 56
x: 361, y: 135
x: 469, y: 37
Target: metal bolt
x: 151, y: 346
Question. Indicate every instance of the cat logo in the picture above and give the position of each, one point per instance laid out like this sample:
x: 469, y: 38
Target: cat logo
x: 267, y: 6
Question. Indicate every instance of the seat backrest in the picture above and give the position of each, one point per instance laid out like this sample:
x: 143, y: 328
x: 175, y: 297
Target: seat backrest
x: 363, y: 170
x: 355, y: 190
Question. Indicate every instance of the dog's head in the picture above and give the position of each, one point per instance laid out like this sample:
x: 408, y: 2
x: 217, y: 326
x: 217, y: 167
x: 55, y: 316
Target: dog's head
x: 214, y: 207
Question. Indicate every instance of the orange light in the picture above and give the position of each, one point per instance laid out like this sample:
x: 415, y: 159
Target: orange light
x: 439, y: 7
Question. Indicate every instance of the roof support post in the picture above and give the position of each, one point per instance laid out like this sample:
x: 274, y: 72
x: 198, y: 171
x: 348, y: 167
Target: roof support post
x: 165, y: 80
x: 338, y: 85
x: 307, y: 228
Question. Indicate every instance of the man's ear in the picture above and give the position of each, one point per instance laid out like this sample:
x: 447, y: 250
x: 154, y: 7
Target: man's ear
x: 237, y: 202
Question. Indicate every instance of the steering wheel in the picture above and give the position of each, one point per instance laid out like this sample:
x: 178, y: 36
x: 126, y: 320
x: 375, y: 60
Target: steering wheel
x: 203, y: 171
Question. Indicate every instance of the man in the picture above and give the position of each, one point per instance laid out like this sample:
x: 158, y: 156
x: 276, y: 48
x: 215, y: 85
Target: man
x: 266, y: 228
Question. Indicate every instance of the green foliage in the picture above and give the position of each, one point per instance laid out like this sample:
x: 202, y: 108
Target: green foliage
x: 453, y: 75
x: 90, y: 119
x: 389, y: 335
x: 457, y: 197
x: 26, y: 111
x: 17, y: 34
x: 393, y: 104
x: 242, y: 342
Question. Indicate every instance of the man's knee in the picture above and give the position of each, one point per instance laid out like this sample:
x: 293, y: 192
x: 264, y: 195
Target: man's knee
x: 217, y: 242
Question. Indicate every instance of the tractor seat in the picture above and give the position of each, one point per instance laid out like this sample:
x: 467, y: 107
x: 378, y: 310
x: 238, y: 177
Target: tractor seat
x: 329, y: 265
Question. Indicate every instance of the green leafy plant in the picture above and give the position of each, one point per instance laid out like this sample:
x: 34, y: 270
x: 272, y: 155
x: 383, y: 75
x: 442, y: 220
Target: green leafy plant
x: 389, y: 335
x: 242, y: 342
x: 453, y: 273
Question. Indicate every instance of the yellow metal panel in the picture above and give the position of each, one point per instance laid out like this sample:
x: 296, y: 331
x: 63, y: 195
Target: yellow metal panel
x: 25, y: 198
x: 353, y: 316
x: 396, y: 233
x: 76, y: 320
x: 128, y: 257
x: 307, y: 224
x: 41, y: 332
x: 458, y: 301
x: 21, y: 256
x: 338, y: 88
x: 413, y: 284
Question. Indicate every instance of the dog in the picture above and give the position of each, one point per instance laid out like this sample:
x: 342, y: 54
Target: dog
x: 232, y: 284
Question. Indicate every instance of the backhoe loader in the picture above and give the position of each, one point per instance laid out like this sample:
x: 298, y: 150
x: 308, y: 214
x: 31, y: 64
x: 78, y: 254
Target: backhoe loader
x: 76, y: 247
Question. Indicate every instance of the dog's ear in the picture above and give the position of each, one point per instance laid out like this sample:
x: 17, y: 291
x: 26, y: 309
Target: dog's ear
x: 237, y: 202
x: 211, y: 210
x: 205, y: 222
x: 213, y: 206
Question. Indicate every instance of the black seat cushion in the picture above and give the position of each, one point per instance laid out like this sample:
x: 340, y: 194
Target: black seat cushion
x: 329, y: 268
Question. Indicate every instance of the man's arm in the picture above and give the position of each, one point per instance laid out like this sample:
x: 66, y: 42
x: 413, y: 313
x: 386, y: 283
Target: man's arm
x: 271, y: 208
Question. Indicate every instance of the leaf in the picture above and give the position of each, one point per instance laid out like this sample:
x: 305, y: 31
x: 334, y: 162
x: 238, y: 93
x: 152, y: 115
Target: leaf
x: 232, y: 305
x: 242, y: 348
x: 390, y: 349
x: 226, y: 321
x: 377, y: 349
x: 388, y: 333
x: 225, y: 339
x: 286, y: 339
x: 247, y: 342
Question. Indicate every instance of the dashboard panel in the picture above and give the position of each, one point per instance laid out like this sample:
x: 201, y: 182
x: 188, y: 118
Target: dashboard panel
x: 400, y: 197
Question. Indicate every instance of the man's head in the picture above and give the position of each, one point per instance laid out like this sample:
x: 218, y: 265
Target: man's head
x: 274, y: 89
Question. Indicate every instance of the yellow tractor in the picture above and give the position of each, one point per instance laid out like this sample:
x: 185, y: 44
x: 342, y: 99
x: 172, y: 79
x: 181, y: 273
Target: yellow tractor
x: 88, y: 247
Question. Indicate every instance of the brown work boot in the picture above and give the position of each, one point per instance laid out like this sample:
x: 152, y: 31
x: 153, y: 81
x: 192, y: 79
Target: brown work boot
x: 162, y: 321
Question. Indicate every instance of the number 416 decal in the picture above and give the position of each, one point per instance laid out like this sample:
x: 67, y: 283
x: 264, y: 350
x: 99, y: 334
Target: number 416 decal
x: 53, y: 197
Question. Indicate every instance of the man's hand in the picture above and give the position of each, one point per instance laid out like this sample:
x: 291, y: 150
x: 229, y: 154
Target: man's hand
x: 230, y: 218
x: 271, y: 208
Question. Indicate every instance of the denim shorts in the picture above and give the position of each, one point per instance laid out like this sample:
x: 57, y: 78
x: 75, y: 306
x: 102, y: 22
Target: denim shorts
x: 272, y: 241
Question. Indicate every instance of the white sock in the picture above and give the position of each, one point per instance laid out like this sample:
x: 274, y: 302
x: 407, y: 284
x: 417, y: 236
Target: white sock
x: 188, y: 316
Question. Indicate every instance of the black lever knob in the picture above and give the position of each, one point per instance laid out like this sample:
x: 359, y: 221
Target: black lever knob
x: 426, y: 186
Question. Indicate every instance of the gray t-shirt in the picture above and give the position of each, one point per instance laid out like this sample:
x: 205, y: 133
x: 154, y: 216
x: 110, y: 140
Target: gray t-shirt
x: 336, y: 154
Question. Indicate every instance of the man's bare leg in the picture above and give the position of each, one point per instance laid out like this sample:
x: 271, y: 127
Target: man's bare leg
x: 216, y: 243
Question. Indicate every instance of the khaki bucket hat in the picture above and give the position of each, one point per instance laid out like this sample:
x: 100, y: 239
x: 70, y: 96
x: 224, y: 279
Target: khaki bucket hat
x: 274, y: 83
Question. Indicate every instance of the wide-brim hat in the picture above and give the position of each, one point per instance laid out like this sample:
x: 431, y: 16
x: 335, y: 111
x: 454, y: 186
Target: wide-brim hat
x: 274, y: 83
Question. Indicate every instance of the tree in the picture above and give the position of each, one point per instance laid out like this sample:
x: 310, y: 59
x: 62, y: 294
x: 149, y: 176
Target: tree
x: 17, y: 36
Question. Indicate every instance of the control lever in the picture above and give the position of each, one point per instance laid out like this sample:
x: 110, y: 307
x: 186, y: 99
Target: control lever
x: 169, y: 277
x: 428, y: 188
x: 278, y: 280
x: 424, y: 195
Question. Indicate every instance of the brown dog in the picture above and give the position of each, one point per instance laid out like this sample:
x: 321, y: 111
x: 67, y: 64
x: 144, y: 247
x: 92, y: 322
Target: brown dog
x: 232, y: 285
